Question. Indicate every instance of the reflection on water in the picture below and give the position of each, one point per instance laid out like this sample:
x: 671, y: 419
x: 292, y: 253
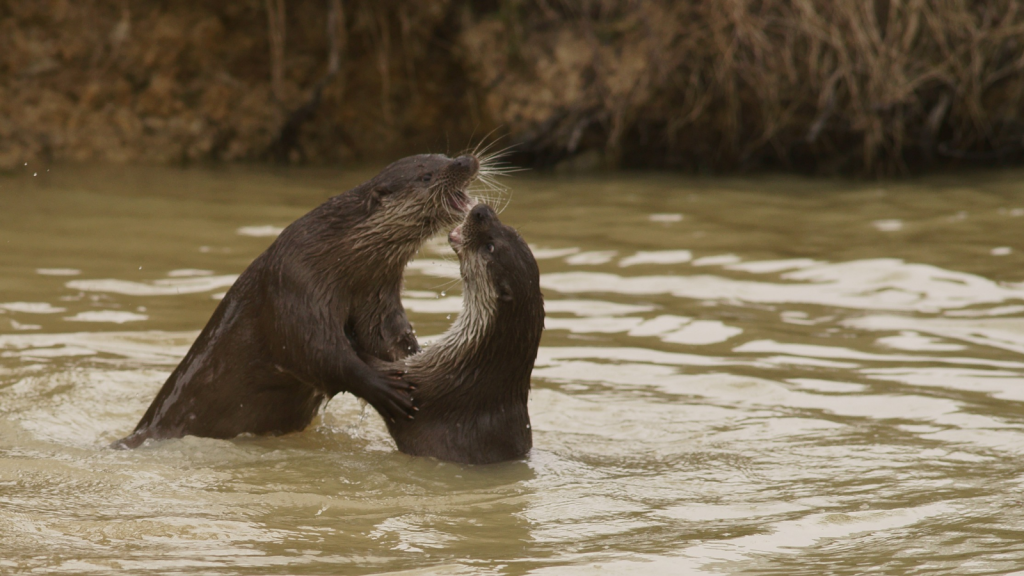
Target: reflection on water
x: 737, y: 376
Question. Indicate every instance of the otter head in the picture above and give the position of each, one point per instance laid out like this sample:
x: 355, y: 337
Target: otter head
x: 415, y: 197
x: 499, y: 272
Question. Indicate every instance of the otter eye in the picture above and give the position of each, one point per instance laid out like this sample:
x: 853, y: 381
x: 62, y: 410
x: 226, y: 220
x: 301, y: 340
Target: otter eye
x: 490, y: 248
x: 427, y: 177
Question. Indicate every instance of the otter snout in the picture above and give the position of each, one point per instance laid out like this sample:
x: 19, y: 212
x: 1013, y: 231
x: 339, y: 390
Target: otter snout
x: 467, y: 164
x: 455, y: 179
x: 482, y: 215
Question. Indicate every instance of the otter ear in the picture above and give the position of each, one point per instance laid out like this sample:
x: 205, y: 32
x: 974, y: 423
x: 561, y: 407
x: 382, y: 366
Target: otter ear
x: 505, y: 291
x: 373, y: 199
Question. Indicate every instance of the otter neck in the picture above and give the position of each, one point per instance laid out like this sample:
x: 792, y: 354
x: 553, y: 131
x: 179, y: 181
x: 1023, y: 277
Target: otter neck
x: 483, y: 347
x: 475, y: 325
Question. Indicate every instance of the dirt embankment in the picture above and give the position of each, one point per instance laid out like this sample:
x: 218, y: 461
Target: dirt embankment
x: 876, y: 87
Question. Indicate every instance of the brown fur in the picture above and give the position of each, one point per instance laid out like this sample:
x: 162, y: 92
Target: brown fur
x: 473, y: 385
x: 289, y: 332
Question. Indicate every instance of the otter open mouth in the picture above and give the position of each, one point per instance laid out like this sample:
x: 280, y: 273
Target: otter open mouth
x: 457, y: 176
x: 455, y: 239
x: 460, y: 202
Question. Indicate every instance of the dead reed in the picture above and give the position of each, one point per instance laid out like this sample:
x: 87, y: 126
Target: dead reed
x: 877, y: 87
x: 873, y: 86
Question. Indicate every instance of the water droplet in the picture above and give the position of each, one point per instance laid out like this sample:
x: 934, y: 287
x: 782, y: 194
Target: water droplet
x: 140, y: 267
x: 442, y: 293
x: 449, y: 317
x: 35, y: 173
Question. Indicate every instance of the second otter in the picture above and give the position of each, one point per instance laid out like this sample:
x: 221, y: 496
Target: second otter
x: 473, y: 384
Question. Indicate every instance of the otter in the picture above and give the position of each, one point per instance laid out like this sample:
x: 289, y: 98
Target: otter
x: 473, y: 384
x: 289, y: 333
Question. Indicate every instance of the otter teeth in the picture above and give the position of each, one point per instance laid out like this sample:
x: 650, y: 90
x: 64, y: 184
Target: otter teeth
x: 455, y: 237
x: 461, y: 202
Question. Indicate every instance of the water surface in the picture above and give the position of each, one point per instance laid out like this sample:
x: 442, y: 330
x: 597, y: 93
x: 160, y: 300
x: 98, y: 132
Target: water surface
x: 766, y: 375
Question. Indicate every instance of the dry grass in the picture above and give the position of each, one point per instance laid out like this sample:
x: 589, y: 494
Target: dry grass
x: 878, y: 87
x: 875, y: 86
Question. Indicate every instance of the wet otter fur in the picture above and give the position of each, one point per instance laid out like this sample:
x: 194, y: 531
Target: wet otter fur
x: 289, y: 333
x: 472, y: 385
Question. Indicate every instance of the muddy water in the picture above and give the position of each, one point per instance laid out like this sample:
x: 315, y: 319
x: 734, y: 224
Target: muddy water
x: 744, y: 376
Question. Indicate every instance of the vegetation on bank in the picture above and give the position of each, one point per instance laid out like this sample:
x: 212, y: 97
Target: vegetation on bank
x: 877, y: 87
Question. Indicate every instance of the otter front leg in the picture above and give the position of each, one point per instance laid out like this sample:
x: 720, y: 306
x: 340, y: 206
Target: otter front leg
x: 380, y: 329
x: 402, y: 341
x: 391, y: 336
x: 327, y: 360
x: 385, y: 391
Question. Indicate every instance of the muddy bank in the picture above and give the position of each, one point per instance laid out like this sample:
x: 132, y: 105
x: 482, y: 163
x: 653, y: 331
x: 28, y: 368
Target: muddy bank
x: 192, y: 81
x: 877, y: 87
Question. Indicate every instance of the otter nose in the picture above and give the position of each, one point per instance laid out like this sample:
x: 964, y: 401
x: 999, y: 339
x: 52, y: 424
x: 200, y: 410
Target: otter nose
x: 482, y: 213
x: 466, y: 163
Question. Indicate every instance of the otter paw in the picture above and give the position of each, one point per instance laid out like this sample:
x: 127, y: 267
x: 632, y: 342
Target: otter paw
x: 395, y: 401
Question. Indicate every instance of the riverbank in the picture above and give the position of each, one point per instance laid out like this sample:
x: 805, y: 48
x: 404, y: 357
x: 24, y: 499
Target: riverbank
x: 876, y: 88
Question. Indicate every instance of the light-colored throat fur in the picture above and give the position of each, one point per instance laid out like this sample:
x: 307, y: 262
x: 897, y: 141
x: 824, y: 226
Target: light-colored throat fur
x: 403, y: 226
x: 391, y: 235
x: 479, y: 307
